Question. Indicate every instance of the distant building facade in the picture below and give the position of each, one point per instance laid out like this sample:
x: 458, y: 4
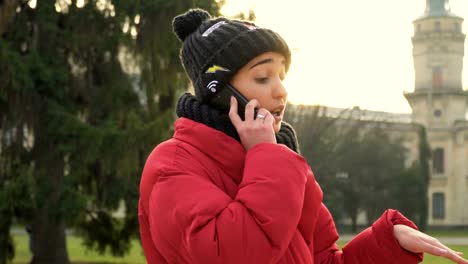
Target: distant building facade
x: 440, y: 104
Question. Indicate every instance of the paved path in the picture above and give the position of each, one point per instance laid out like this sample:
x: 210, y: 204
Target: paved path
x: 454, y: 241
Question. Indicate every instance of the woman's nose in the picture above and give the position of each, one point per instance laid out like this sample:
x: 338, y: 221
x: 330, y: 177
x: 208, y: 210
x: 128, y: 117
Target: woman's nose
x: 280, y: 91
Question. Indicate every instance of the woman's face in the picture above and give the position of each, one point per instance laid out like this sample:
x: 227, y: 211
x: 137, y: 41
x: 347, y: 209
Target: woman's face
x: 262, y: 79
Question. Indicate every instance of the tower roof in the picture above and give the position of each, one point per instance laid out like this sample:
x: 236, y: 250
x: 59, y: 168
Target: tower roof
x: 437, y: 8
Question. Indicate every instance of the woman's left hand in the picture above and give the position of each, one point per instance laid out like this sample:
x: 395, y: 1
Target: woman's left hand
x: 418, y: 242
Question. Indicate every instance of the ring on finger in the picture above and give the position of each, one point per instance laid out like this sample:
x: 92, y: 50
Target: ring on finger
x: 260, y: 116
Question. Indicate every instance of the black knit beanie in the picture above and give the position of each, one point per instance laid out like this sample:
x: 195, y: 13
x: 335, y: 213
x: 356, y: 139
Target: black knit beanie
x: 213, y: 50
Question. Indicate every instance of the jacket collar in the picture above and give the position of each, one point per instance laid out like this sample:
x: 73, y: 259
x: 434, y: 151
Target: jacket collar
x: 223, y: 149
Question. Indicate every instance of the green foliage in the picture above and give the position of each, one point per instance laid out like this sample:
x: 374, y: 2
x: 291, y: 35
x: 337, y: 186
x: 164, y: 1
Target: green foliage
x: 106, y: 231
x: 358, y: 165
x: 318, y: 138
x: 424, y: 174
x: 82, y: 103
x: 411, y: 186
x: 407, y: 191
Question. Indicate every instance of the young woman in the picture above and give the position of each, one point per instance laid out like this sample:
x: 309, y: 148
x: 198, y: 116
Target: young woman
x: 230, y: 186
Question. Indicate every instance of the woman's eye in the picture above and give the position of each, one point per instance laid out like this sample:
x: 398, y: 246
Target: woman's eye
x: 262, y: 80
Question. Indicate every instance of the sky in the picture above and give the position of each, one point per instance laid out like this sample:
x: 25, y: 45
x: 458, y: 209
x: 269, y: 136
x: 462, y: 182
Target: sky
x: 347, y: 53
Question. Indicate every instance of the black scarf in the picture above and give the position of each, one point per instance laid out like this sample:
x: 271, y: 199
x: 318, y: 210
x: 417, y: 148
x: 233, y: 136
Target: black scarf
x: 188, y: 106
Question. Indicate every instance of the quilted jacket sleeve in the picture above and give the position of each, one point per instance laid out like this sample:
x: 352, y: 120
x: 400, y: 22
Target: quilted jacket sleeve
x: 375, y: 245
x: 192, y: 218
x: 151, y: 252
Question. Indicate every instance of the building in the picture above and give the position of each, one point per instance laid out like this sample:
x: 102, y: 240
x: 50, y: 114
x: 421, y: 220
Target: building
x: 440, y: 104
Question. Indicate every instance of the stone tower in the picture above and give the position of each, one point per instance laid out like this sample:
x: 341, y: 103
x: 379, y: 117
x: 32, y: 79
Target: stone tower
x: 438, y: 47
x: 440, y: 104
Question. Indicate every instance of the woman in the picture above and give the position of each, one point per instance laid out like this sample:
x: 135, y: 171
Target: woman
x: 230, y: 186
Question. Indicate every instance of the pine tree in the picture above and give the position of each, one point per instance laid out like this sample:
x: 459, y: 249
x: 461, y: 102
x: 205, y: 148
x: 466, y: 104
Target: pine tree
x: 85, y: 94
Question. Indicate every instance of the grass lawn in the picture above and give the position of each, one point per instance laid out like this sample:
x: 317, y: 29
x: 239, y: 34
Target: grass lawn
x: 429, y: 259
x: 78, y: 253
x: 433, y: 260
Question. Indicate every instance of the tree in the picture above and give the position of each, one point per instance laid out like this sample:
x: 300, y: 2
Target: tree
x: 319, y: 136
x: 77, y: 118
x: 385, y: 162
x: 373, y: 161
x: 424, y: 176
x: 356, y: 162
x: 407, y: 193
x: 412, y: 186
x: 7, y: 10
x: 348, y: 152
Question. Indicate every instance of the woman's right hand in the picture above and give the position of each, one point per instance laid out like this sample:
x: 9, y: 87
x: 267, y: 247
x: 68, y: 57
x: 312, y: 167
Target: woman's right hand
x: 418, y: 242
x: 252, y: 131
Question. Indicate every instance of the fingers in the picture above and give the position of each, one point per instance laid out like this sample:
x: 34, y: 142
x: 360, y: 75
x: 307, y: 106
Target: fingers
x: 452, y: 255
x: 435, y: 247
x: 253, y: 131
x: 269, y: 119
x: 416, y: 241
x: 264, y: 118
x: 250, y: 110
x: 235, y: 118
x: 262, y: 114
x: 456, y: 257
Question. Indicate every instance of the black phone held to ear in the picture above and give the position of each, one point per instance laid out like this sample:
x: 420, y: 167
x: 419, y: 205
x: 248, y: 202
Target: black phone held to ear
x: 222, y: 100
x: 241, y: 100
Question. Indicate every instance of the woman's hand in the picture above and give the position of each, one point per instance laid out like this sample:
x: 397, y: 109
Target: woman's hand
x: 418, y: 242
x: 252, y: 131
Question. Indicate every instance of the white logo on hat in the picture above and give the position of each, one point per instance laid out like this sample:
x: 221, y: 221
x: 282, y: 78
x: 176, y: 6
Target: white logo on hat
x: 212, y: 86
x: 250, y: 27
x: 213, y: 28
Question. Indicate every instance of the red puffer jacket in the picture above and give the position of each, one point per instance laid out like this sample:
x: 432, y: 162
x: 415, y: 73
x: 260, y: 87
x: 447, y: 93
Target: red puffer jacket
x: 203, y: 199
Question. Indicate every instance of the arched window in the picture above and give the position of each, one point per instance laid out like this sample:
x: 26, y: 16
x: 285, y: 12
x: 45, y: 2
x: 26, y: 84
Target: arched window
x: 438, y: 205
x: 438, y: 160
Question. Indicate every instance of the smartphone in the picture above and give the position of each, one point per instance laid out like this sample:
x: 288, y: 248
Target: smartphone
x: 222, y: 100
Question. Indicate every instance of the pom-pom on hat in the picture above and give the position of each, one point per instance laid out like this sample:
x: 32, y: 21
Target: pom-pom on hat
x: 214, y: 49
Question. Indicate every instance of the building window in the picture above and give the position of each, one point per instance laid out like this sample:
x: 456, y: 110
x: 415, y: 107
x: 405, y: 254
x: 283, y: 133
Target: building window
x: 438, y: 205
x: 438, y: 160
x: 457, y: 27
x: 437, y: 26
x: 418, y: 28
x: 437, y: 80
x: 437, y: 113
